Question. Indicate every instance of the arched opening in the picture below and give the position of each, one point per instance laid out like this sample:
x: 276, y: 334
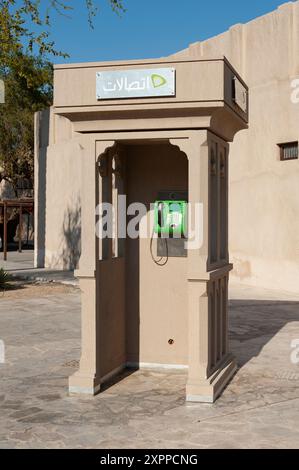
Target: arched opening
x: 142, y: 301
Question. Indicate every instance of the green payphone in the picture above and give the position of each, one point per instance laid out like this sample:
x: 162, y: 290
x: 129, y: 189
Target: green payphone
x: 170, y: 218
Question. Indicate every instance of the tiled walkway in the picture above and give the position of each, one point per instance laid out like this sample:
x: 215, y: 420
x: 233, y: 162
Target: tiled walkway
x: 21, y: 265
x: 260, y: 408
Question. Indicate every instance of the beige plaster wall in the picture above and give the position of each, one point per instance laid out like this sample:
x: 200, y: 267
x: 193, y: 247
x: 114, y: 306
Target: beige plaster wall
x: 57, y: 192
x: 155, y: 295
x: 264, y: 192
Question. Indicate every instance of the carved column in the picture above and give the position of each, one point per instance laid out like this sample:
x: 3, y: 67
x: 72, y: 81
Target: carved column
x: 210, y: 364
x: 87, y: 379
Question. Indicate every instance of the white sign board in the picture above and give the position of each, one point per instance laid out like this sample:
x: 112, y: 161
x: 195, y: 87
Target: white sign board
x: 135, y: 83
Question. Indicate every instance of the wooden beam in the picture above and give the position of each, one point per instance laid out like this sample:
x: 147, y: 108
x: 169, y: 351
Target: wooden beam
x: 20, y: 228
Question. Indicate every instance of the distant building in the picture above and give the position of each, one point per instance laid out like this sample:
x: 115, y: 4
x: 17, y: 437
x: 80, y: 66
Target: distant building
x: 264, y: 189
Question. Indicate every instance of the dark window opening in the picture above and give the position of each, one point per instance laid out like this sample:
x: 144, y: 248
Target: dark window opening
x: 288, y: 151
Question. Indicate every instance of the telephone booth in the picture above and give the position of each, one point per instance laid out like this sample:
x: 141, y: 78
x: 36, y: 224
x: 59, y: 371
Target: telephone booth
x: 154, y: 135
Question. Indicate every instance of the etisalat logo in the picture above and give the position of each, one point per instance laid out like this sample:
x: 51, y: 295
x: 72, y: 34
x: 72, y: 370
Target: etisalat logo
x: 148, y: 83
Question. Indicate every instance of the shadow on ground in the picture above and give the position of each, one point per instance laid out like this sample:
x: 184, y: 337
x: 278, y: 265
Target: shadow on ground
x: 253, y: 324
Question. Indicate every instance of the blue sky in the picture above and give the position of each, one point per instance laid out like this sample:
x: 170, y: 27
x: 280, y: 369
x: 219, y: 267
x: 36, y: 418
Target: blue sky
x: 149, y: 28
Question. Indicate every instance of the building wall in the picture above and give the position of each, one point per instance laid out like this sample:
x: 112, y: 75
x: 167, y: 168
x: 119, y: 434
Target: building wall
x: 264, y: 202
x: 264, y: 192
x: 57, y: 193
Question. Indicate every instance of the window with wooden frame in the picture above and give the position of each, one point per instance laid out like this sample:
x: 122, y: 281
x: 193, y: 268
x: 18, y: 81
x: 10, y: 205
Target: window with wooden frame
x: 288, y: 151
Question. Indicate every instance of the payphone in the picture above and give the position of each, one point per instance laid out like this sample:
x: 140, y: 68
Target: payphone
x: 170, y: 218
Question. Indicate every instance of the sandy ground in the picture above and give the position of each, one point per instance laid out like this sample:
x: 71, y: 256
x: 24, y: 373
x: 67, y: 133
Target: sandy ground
x: 22, y: 290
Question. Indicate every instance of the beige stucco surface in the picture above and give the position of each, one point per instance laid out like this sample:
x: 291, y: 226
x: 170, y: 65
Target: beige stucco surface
x: 58, y: 192
x: 264, y: 207
x: 156, y: 294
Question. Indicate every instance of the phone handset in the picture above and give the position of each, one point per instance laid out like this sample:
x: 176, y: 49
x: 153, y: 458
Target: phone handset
x: 160, y: 214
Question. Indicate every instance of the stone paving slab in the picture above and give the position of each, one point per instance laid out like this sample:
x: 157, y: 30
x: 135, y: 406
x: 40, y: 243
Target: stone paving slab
x: 145, y: 409
x: 17, y: 261
x: 21, y: 266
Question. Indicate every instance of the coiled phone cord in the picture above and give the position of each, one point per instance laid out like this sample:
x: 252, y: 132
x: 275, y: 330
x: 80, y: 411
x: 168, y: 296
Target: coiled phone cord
x: 159, y: 261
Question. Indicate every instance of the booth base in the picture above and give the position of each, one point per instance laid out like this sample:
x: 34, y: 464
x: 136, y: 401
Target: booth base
x: 208, y: 390
x: 83, y: 384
